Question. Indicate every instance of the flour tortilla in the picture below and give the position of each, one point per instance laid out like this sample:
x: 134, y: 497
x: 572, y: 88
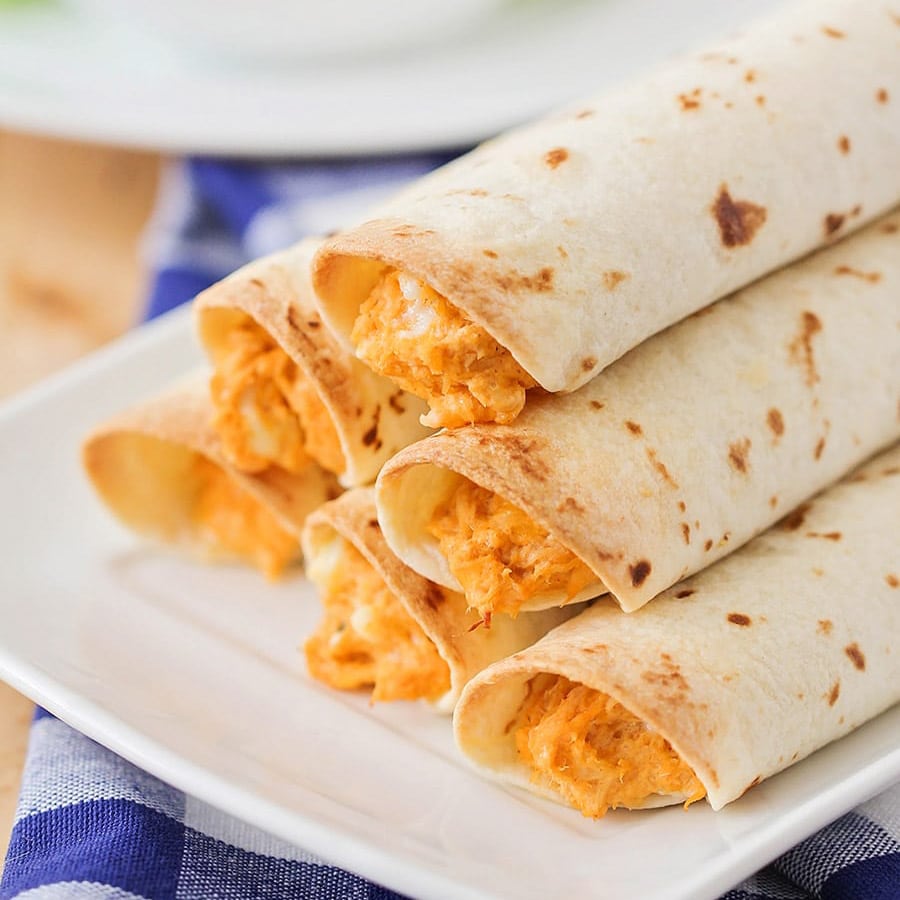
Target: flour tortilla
x: 696, y: 440
x: 372, y: 417
x: 142, y: 463
x: 441, y: 613
x: 749, y: 666
x: 575, y: 238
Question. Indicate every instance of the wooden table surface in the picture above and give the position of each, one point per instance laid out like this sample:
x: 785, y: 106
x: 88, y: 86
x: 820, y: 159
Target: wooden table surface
x: 70, y: 280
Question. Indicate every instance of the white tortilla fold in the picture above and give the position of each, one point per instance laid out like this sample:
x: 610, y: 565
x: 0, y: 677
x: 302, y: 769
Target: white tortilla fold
x: 442, y: 614
x: 696, y: 440
x: 573, y: 239
x: 749, y: 666
x: 373, y: 419
x: 143, y: 464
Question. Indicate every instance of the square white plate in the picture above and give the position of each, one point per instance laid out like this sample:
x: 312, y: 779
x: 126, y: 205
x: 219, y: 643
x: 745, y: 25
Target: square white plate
x: 193, y: 673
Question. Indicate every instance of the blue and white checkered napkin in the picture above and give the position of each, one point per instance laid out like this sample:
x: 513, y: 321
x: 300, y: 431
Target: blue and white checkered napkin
x: 91, y: 825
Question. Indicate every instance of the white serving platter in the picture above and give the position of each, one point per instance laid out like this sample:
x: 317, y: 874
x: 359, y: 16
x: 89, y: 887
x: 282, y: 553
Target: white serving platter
x: 193, y: 673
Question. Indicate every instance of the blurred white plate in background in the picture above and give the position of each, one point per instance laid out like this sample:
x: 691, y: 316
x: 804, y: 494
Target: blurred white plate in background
x: 69, y: 70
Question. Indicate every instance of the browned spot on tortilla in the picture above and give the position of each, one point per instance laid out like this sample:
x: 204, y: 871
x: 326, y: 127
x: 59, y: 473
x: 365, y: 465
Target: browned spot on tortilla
x: 844, y: 144
x: 540, y: 282
x: 685, y: 593
x: 686, y: 532
x: 775, y: 421
x: 682, y: 506
x: 562, y: 251
x: 752, y: 784
x: 801, y: 349
x: 833, y: 221
x: 819, y: 448
x: 892, y: 580
x: 490, y: 254
x: 825, y: 535
x: 395, y: 404
x: 738, y: 220
x: 313, y: 324
x: 817, y: 571
x: 794, y: 520
x: 639, y: 572
x: 570, y: 504
x: 871, y: 277
x: 660, y: 467
x: 633, y: 427
x: 834, y: 693
x: 737, y: 455
x: 585, y: 114
x: 890, y: 228
x: 773, y: 501
x: 556, y: 157
x: 833, y: 32
x: 760, y: 99
x: 690, y: 100
x: 433, y: 595
x: 291, y: 317
x: 824, y: 626
x: 596, y: 404
x: 891, y: 470
x: 372, y: 523
x: 405, y: 231
x: 749, y: 76
x: 613, y: 278
x: 708, y: 545
x: 526, y: 452
x: 856, y: 656
x: 881, y: 95
x: 729, y: 104
x: 588, y: 363
x: 645, y: 140
x: 894, y: 18
x: 739, y: 619
x: 370, y: 438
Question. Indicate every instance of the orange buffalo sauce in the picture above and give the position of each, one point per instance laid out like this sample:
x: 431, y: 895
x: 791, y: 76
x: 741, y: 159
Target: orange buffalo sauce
x: 500, y: 556
x: 594, y: 753
x: 267, y: 411
x: 366, y: 637
x: 432, y: 350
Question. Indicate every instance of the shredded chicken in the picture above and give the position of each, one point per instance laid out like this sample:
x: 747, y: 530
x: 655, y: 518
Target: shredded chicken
x: 238, y: 523
x: 367, y: 638
x: 594, y: 753
x: 267, y: 411
x: 434, y: 351
x: 500, y: 556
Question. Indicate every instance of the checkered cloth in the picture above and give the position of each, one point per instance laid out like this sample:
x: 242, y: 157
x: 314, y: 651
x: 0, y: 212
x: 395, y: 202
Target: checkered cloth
x: 91, y: 825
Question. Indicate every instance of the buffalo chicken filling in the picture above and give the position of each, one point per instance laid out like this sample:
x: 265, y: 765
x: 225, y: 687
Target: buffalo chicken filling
x: 431, y: 349
x: 267, y: 411
x: 237, y: 523
x: 367, y: 638
x: 594, y: 753
x: 499, y: 555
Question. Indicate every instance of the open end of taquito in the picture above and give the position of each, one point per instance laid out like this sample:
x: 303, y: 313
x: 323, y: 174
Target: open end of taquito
x: 468, y: 523
x: 389, y: 630
x: 724, y: 680
x: 547, y: 253
x: 159, y: 468
x: 284, y: 390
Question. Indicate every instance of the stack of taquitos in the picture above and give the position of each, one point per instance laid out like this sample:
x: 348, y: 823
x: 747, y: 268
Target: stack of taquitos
x: 721, y: 681
x: 546, y: 254
x: 675, y: 455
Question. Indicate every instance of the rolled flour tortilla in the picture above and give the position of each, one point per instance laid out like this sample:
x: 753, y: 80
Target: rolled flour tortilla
x: 284, y: 389
x: 160, y: 469
x: 546, y: 254
x: 676, y: 455
x: 722, y: 681
x: 387, y: 627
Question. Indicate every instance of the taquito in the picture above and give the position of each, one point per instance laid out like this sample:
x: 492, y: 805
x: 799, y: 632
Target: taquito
x: 160, y: 469
x: 284, y: 389
x: 724, y: 680
x: 676, y: 455
x: 544, y: 255
x: 385, y: 627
